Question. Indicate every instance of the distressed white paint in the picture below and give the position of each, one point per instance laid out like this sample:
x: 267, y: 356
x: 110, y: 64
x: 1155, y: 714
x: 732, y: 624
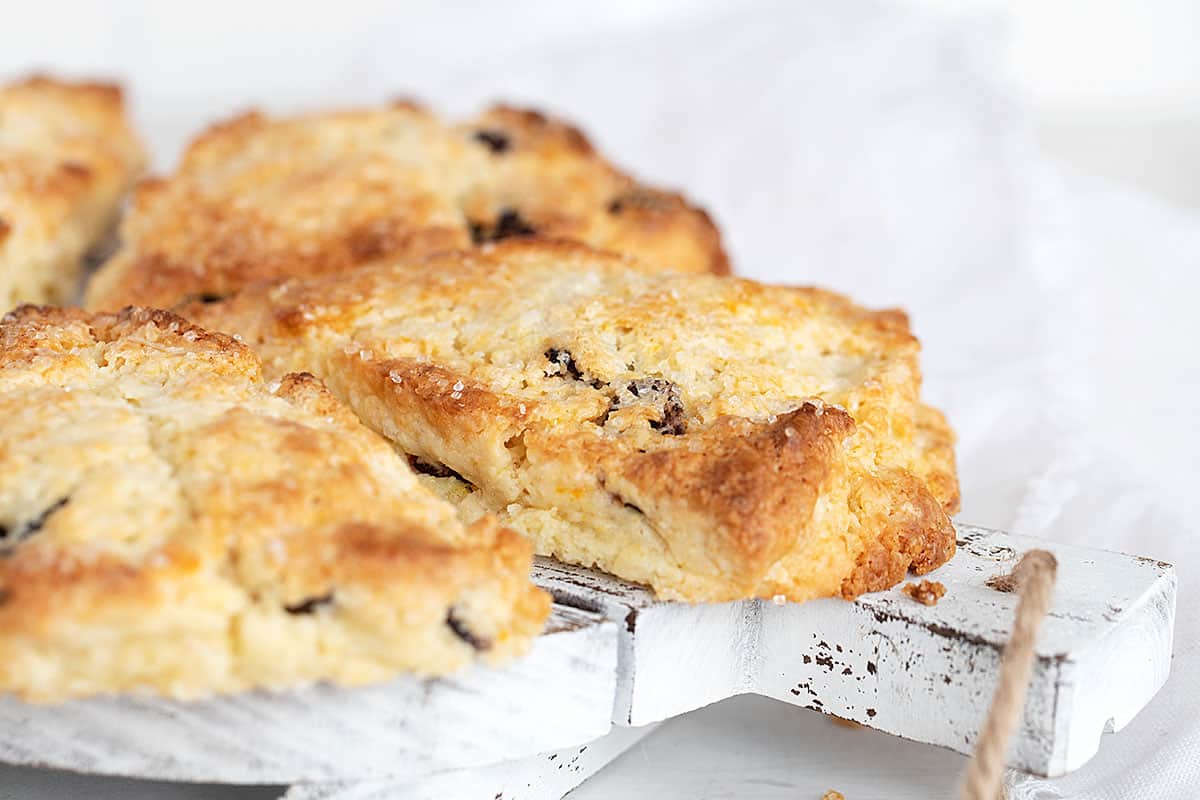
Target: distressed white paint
x: 545, y: 776
x: 560, y: 695
x: 925, y: 673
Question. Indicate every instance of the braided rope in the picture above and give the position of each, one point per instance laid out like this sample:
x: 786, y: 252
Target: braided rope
x: 1033, y: 578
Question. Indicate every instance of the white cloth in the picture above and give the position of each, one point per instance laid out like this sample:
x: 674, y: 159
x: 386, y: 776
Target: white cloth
x: 849, y: 144
x: 1117, y: 278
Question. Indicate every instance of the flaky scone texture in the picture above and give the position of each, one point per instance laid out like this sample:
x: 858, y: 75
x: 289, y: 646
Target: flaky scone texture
x: 258, y: 198
x: 67, y: 157
x: 169, y: 522
x: 713, y: 438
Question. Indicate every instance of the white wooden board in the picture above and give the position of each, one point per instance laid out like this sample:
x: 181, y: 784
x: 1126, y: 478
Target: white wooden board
x: 926, y: 673
x: 560, y: 695
x: 546, y: 776
x: 614, y: 653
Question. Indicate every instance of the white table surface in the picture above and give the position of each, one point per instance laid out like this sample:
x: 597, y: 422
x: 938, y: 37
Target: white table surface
x: 854, y: 145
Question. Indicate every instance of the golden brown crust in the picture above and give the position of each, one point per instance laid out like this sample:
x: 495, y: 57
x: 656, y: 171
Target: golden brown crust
x: 912, y: 532
x: 711, y: 437
x: 927, y: 593
x: 747, y: 483
x: 256, y: 198
x: 168, y: 521
x: 937, y: 469
x: 67, y: 157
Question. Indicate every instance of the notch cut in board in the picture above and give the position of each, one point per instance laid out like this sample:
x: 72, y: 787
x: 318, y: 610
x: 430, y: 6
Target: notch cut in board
x: 925, y: 673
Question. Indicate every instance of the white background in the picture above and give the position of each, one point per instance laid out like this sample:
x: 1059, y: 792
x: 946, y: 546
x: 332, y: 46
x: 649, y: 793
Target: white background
x: 895, y: 151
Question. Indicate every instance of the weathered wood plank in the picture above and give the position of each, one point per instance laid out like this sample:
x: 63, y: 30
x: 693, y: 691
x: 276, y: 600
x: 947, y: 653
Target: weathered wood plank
x: 922, y: 672
x: 615, y: 653
x: 560, y: 695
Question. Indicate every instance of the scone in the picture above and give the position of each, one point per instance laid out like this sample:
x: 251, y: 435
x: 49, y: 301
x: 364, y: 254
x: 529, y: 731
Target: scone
x: 67, y: 157
x: 259, y: 198
x: 713, y: 438
x: 170, y: 522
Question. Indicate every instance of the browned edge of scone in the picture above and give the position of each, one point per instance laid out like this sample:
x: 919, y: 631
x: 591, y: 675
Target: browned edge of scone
x: 64, y: 186
x: 741, y: 485
x: 721, y: 482
x: 181, y: 242
x: 641, y: 213
x: 262, y: 569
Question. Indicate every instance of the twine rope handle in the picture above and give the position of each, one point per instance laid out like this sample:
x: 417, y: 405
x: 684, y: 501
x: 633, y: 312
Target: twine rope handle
x: 1034, y: 580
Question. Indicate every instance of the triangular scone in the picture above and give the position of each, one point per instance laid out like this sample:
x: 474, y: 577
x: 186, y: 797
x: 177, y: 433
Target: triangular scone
x: 711, y: 437
x: 257, y: 198
x: 67, y: 157
x: 170, y: 522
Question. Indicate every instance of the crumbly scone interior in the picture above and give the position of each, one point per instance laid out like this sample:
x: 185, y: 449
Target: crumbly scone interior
x: 708, y: 437
x: 171, y: 522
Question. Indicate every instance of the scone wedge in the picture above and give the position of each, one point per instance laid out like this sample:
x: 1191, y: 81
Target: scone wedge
x: 68, y: 155
x: 713, y: 438
x: 170, y: 522
x: 257, y: 198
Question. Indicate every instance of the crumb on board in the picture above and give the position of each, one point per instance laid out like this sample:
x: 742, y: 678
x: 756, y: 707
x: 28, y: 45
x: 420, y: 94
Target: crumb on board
x: 926, y: 592
x: 845, y: 723
x: 1002, y: 583
x: 833, y: 794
